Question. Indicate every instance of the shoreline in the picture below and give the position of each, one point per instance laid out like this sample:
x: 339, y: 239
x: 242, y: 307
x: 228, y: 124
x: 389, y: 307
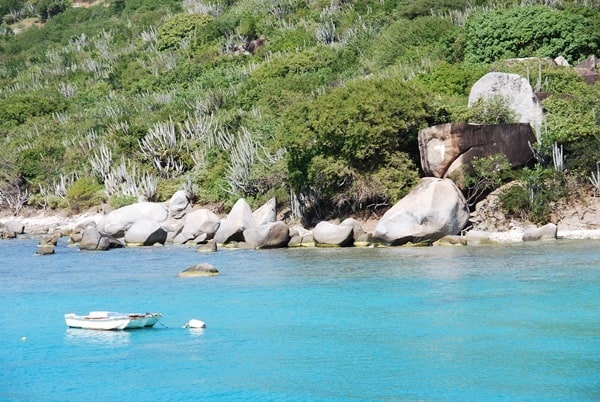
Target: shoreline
x: 37, y: 223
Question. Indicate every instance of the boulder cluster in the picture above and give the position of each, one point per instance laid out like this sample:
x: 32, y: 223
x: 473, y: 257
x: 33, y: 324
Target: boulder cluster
x: 435, y: 210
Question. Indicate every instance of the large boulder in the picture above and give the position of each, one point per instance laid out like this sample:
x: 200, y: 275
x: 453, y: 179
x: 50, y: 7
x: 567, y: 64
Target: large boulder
x: 266, y: 213
x: 92, y: 240
x: 434, y: 209
x: 329, y: 234
x: 232, y: 227
x: 145, y: 233
x: 446, y: 148
x: 178, y: 203
x: 268, y: 235
x: 546, y: 232
x: 359, y: 234
x: 518, y: 93
x: 11, y: 229
x: 201, y: 221
x: 120, y: 220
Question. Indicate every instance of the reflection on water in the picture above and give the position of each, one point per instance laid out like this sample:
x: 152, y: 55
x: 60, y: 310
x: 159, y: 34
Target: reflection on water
x: 196, y: 331
x: 94, y: 337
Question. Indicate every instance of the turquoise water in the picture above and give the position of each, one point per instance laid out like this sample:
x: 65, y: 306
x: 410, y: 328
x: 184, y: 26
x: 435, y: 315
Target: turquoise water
x: 518, y: 322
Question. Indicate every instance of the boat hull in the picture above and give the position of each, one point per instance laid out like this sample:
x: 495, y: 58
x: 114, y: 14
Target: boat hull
x: 104, y: 320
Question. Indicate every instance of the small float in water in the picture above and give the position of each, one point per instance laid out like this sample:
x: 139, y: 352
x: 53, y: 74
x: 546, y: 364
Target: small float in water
x: 195, y: 324
x: 108, y: 320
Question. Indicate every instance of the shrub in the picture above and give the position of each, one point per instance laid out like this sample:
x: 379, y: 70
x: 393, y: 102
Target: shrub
x: 492, y: 110
x: 84, y: 193
x: 182, y: 26
x: 350, y: 133
x: 531, y: 31
x: 533, y: 198
x: 119, y: 201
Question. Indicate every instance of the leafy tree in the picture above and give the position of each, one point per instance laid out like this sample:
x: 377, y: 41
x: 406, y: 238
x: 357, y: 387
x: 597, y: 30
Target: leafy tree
x: 352, y: 131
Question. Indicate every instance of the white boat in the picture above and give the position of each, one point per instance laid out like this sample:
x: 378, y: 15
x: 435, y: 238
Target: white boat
x: 108, y: 320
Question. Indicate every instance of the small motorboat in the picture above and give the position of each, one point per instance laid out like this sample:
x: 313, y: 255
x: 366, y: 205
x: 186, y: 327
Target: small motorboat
x: 108, y: 320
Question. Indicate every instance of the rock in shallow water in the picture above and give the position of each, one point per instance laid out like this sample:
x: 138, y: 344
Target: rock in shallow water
x: 203, y: 269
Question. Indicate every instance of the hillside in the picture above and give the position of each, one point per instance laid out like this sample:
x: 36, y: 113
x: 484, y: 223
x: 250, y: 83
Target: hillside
x: 317, y: 103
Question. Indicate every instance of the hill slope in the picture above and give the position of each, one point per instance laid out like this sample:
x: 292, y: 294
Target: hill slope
x: 315, y: 102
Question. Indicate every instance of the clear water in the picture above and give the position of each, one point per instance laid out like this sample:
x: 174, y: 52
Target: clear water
x: 518, y: 322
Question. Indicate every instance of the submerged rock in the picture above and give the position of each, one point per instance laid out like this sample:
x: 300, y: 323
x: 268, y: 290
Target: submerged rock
x: 203, y: 269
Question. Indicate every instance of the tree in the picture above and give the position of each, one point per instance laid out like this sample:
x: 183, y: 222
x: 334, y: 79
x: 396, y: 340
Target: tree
x: 348, y: 135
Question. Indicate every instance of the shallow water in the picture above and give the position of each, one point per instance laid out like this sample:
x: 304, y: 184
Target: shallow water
x: 439, y: 323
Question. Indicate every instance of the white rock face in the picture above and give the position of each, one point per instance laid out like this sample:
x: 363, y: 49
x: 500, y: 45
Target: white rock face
x: 516, y: 90
x: 266, y: 213
x: 326, y: 233
x: 435, y: 208
x: 118, y: 221
x: 145, y: 233
x: 201, y: 221
x: 268, y: 235
x: 232, y: 227
x: 178, y: 203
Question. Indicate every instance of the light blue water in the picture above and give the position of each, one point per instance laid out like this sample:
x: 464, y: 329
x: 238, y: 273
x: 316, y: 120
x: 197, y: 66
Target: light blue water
x: 519, y: 322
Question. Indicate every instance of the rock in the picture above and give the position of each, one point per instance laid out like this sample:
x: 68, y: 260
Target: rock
x: 452, y: 240
x: 516, y: 90
x: 357, y: 229
x: 478, y: 237
x: 203, y: 269
x: 208, y: 247
x: 300, y: 237
x: 546, y: 232
x: 561, y: 61
x: 268, y: 235
x: 587, y: 69
x: 120, y: 220
x: 329, y: 234
x: 92, y: 240
x: 45, y: 249
x: 232, y: 227
x: 50, y: 239
x: 79, y: 228
x: 11, y: 229
x: 183, y: 238
x: 266, y: 213
x: 178, y: 204
x: 145, y: 233
x: 446, y: 148
x: 434, y: 209
x: 201, y: 221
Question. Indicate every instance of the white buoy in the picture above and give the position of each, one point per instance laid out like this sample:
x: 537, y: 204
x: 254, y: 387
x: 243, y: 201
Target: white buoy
x: 195, y: 324
x: 24, y: 339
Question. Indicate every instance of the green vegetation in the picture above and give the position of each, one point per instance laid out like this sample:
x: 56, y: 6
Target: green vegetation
x: 111, y: 100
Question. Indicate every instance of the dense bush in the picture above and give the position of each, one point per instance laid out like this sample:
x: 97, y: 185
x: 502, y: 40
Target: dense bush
x: 532, y: 31
x: 183, y: 26
x: 84, y: 193
x: 353, y: 131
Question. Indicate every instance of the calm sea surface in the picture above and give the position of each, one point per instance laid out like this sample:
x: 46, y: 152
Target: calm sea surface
x: 512, y: 322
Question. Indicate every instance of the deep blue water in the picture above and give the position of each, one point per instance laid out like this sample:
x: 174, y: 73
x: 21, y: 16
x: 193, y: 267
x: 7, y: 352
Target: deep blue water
x: 510, y: 322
